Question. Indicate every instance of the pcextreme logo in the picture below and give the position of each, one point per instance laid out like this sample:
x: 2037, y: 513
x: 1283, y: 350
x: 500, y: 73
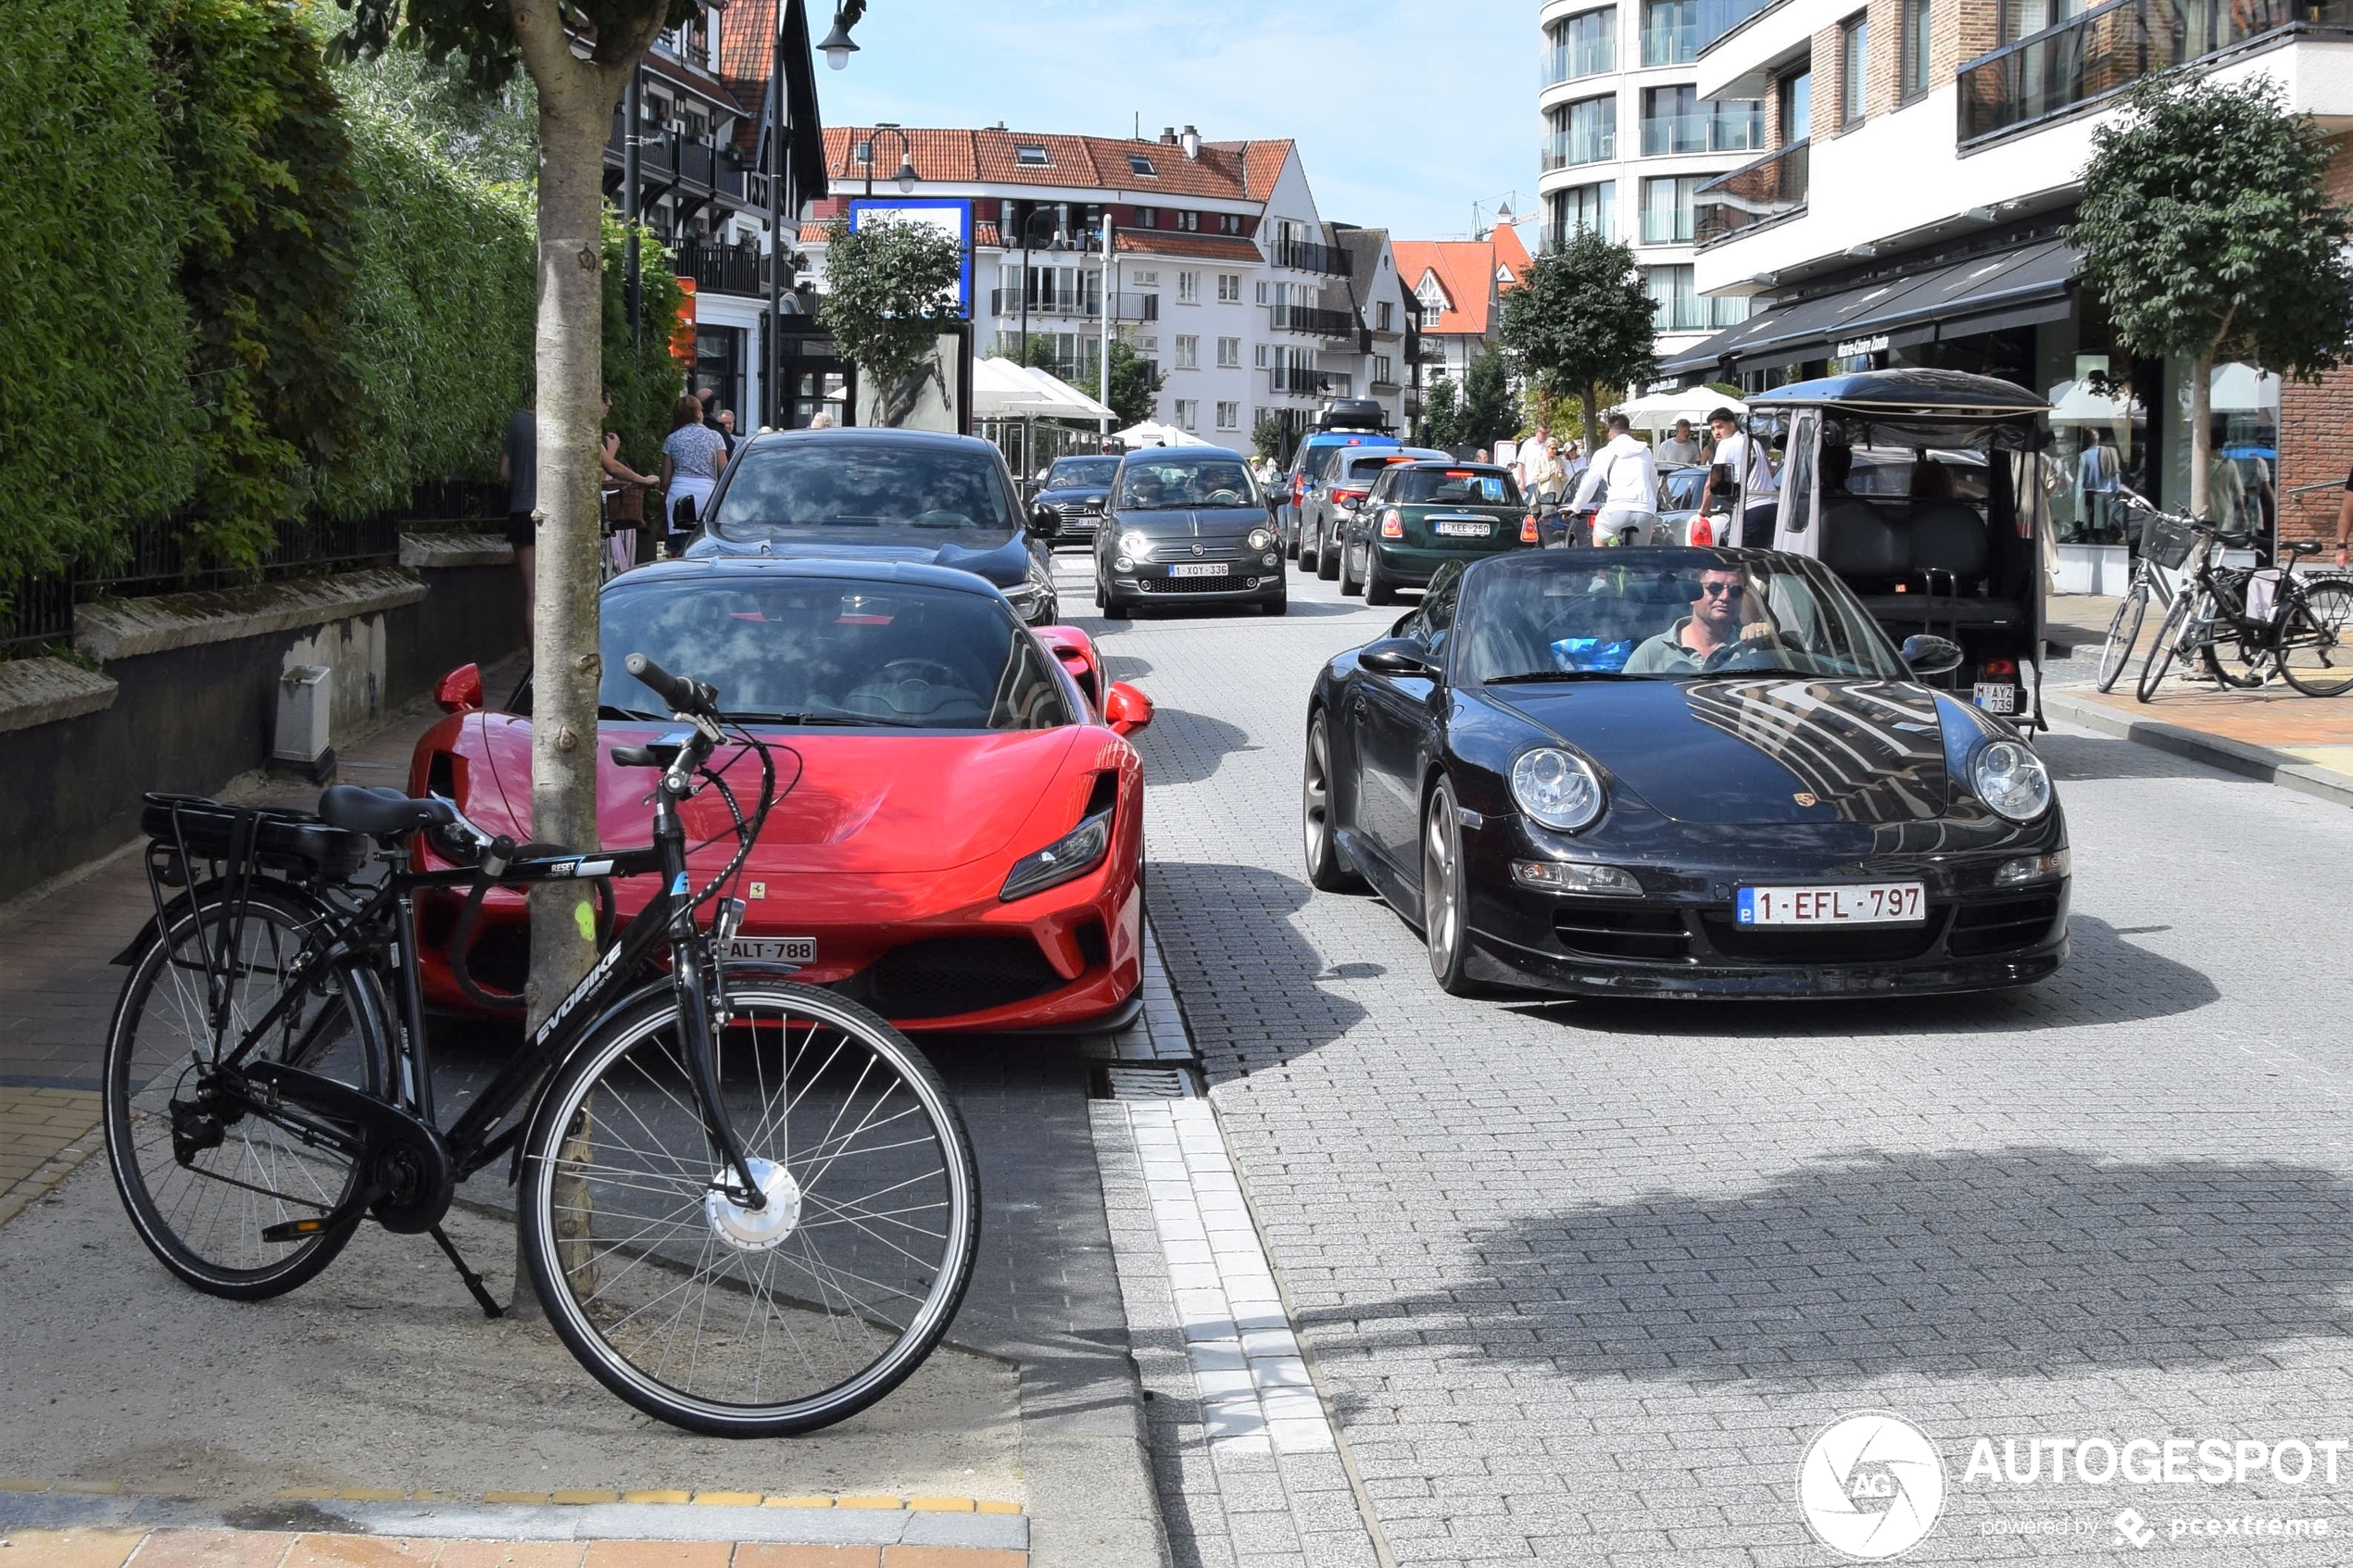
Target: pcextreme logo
x: 1871, y: 1485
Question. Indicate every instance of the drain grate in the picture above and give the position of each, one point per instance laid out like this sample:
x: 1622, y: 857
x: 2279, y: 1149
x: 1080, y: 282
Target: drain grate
x: 1146, y: 1083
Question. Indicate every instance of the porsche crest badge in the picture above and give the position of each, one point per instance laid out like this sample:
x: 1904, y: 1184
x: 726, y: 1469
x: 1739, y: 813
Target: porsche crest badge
x: 1806, y: 797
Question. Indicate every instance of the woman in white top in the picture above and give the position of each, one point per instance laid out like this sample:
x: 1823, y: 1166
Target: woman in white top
x: 691, y: 460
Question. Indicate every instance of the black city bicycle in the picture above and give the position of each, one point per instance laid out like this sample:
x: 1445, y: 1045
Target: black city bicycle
x: 2241, y: 623
x: 749, y: 1205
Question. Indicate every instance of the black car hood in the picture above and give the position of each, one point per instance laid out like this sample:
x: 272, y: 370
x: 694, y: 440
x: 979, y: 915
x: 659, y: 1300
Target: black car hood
x: 1001, y: 559
x: 1194, y: 523
x: 1758, y: 748
x: 1075, y: 495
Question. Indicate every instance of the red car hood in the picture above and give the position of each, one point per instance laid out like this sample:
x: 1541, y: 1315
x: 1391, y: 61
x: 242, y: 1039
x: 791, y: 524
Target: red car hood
x: 849, y: 801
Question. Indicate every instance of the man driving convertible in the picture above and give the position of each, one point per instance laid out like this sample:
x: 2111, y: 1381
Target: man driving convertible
x: 1725, y: 621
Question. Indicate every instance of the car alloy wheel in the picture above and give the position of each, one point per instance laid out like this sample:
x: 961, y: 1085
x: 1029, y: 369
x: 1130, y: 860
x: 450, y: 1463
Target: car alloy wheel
x: 1327, y: 868
x: 1442, y: 897
x: 1349, y: 584
x: 1379, y: 589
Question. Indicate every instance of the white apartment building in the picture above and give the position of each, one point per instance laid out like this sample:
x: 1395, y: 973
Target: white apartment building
x: 1917, y: 217
x: 1629, y: 138
x: 1224, y: 274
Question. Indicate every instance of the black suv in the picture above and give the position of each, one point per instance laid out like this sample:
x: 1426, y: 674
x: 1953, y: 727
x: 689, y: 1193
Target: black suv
x: 1077, y: 491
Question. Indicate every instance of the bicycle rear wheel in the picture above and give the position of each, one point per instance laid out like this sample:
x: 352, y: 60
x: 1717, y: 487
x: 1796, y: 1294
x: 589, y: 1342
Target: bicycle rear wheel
x: 201, y: 1175
x: 2169, y: 632
x: 2316, y: 647
x: 2123, y: 631
x: 723, y: 1319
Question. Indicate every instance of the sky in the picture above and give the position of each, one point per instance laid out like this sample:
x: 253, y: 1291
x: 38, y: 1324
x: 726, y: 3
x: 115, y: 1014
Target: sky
x: 1405, y: 113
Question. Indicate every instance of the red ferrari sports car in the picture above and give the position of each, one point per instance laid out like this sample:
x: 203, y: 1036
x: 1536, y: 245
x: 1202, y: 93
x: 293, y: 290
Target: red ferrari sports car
x: 958, y: 836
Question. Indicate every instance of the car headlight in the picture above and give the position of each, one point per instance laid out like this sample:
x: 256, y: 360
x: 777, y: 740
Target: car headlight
x: 1073, y: 855
x: 1557, y: 789
x: 1027, y: 596
x: 1260, y: 538
x: 2009, y: 777
x: 1135, y: 544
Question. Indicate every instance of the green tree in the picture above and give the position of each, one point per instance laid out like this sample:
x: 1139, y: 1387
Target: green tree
x: 1582, y: 321
x: 1266, y: 436
x: 577, y: 93
x: 1134, y: 385
x: 1488, y: 411
x: 2207, y: 232
x: 888, y: 287
x: 1442, y: 414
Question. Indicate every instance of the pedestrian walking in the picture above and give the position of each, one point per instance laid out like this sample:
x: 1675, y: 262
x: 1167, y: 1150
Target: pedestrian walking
x: 625, y: 498
x: 692, y: 459
x: 1623, y: 477
x: 519, y: 468
x: 708, y: 398
x: 1548, y: 477
x: 1742, y: 472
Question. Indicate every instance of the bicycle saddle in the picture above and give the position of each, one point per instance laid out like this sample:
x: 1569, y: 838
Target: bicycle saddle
x: 383, y: 813
x: 2300, y: 547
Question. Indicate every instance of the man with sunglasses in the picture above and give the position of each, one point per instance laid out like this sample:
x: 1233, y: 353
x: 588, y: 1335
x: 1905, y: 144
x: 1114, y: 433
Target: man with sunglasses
x: 1721, y: 625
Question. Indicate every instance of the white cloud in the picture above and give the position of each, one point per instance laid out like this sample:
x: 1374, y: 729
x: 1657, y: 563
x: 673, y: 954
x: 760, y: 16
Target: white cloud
x: 1404, y: 113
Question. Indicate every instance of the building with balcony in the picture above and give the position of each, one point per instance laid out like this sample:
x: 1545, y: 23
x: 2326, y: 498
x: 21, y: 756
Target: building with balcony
x: 1925, y: 158
x: 1222, y: 273
x: 1459, y: 286
x: 1628, y: 139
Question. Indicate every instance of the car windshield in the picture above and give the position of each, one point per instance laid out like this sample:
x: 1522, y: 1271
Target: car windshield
x: 1069, y: 473
x: 1467, y: 487
x: 1664, y: 614
x: 798, y: 651
x: 1936, y: 475
x: 863, y: 483
x: 1681, y: 489
x: 1149, y: 483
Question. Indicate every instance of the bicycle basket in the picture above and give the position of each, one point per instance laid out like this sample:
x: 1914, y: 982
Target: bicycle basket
x: 2166, y: 541
x: 282, y: 841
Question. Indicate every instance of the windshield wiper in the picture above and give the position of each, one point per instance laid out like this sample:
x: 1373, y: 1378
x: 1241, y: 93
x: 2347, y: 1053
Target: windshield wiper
x: 1731, y: 672
x: 1531, y: 677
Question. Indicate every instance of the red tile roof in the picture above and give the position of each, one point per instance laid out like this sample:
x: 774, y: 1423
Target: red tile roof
x: 747, y: 39
x: 1224, y: 171
x: 1214, y: 248
x: 1469, y: 273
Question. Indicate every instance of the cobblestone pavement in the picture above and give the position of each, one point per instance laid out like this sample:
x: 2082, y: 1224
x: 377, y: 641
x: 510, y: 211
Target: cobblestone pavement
x: 1580, y: 1283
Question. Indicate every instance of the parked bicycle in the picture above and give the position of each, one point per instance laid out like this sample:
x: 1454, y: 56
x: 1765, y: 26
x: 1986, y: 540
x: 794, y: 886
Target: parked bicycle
x: 2242, y: 623
x: 2165, y: 546
x: 749, y: 1205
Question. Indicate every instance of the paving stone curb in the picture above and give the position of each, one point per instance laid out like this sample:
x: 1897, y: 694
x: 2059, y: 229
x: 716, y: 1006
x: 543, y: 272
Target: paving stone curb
x: 2261, y: 762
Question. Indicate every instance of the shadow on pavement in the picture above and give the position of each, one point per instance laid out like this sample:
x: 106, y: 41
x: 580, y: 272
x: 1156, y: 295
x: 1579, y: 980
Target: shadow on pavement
x: 1866, y: 1265
x: 2079, y: 759
x: 1184, y: 747
x: 1227, y: 931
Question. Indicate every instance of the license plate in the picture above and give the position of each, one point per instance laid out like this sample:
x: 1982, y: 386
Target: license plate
x: 1997, y: 697
x: 1852, y: 903
x: 773, y: 950
x: 1198, y: 569
x: 1466, y: 530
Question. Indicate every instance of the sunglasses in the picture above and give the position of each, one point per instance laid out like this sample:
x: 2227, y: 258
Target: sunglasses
x: 1712, y: 590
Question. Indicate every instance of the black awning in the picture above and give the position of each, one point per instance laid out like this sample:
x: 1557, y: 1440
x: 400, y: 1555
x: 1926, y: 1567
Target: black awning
x: 1959, y: 299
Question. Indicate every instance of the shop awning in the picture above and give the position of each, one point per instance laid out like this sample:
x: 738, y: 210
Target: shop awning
x: 1984, y: 293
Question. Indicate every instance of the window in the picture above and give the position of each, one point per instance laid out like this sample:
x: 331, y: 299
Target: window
x: 1188, y: 352
x: 1670, y: 33
x: 1189, y: 222
x: 1854, y: 68
x: 1385, y: 314
x: 1912, y: 69
x: 1585, y: 132
x: 1032, y: 157
x: 1793, y: 96
x: 1148, y: 345
x: 1148, y: 217
x: 1676, y: 119
x: 1584, y: 208
x: 1263, y: 296
x: 862, y: 151
x: 1262, y: 355
x: 1229, y: 416
x: 1189, y: 288
x: 1679, y: 308
x: 1581, y: 45
x: 1230, y: 288
x: 1230, y: 222
x: 1432, y: 294
x: 1188, y: 413
x: 1383, y: 369
x: 1666, y: 209
x: 1139, y: 164
x: 1229, y: 354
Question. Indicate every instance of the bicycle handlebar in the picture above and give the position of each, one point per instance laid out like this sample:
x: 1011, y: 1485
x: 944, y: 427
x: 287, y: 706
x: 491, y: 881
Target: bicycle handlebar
x: 687, y: 699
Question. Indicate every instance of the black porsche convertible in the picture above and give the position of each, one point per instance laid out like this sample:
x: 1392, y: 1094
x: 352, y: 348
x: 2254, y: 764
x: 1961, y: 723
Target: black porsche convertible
x: 1680, y: 773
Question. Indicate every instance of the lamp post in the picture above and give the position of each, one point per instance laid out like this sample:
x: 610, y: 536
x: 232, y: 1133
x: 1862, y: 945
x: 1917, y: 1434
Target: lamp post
x: 1102, y: 387
x: 905, y: 179
x: 837, y: 49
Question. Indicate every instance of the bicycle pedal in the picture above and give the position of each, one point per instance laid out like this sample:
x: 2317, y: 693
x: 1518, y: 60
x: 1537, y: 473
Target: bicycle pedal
x: 295, y: 1230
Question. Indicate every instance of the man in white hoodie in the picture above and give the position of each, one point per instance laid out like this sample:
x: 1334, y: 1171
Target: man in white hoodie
x: 1624, y: 476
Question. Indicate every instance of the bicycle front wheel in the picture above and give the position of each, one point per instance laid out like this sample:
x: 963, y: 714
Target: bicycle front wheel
x: 729, y: 1320
x: 2169, y: 632
x: 204, y: 1174
x: 2316, y: 647
x: 2123, y: 631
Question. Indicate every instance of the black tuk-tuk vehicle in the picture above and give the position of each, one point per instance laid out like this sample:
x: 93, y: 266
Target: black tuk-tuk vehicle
x: 1922, y: 489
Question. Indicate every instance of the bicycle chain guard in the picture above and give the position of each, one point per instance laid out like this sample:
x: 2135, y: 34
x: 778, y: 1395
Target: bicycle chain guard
x: 407, y: 1177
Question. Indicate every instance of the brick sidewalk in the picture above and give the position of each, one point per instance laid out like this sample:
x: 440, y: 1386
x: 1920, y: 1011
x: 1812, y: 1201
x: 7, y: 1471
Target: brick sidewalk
x: 243, y: 1549
x: 2315, y: 731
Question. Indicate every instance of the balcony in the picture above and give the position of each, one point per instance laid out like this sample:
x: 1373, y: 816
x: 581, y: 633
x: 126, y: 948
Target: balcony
x: 1578, y: 58
x: 1006, y: 304
x: 723, y: 269
x: 1577, y: 144
x: 1771, y: 188
x: 1670, y: 43
x: 1717, y: 17
x: 1307, y: 255
x: 2106, y: 50
x: 1726, y: 129
x: 669, y: 157
x: 1299, y: 381
x: 1312, y: 318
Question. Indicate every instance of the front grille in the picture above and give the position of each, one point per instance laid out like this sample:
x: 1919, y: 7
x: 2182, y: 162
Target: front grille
x: 2003, y: 927
x: 1646, y: 932
x: 948, y: 975
x: 1819, y: 945
x: 1225, y: 584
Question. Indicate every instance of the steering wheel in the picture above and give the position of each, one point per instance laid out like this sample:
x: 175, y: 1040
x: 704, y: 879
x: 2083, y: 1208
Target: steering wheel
x: 922, y: 669
x: 1224, y: 498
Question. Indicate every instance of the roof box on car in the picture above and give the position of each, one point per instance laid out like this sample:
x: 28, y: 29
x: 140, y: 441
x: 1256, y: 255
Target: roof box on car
x: 1352, y: 413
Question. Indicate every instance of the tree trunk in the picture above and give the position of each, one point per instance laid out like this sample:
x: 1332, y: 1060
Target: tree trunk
x: 2201, y: 435
x: 1592, y: 418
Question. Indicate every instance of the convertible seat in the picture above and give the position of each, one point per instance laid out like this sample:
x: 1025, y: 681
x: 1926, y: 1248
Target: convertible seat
x: 1858, y: 541
x: 1947, y: 536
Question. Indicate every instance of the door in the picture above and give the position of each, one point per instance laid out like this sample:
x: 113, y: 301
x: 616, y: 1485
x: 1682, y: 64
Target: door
x: 1795, y: 524
x: 1396, y: 731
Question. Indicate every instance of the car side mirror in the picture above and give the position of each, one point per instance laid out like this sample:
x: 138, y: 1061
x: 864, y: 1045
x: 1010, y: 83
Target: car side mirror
x: 1402, y: 656
x: 1045, y: 521
x: 1931, y: 656
x: 1126, y: 710
x: 461, y: 690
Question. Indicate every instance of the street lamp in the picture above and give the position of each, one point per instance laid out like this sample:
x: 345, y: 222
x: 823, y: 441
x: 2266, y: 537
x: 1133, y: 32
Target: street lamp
x: 1056, y: 243
x: 837, y: 49
x: 906, y: 177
